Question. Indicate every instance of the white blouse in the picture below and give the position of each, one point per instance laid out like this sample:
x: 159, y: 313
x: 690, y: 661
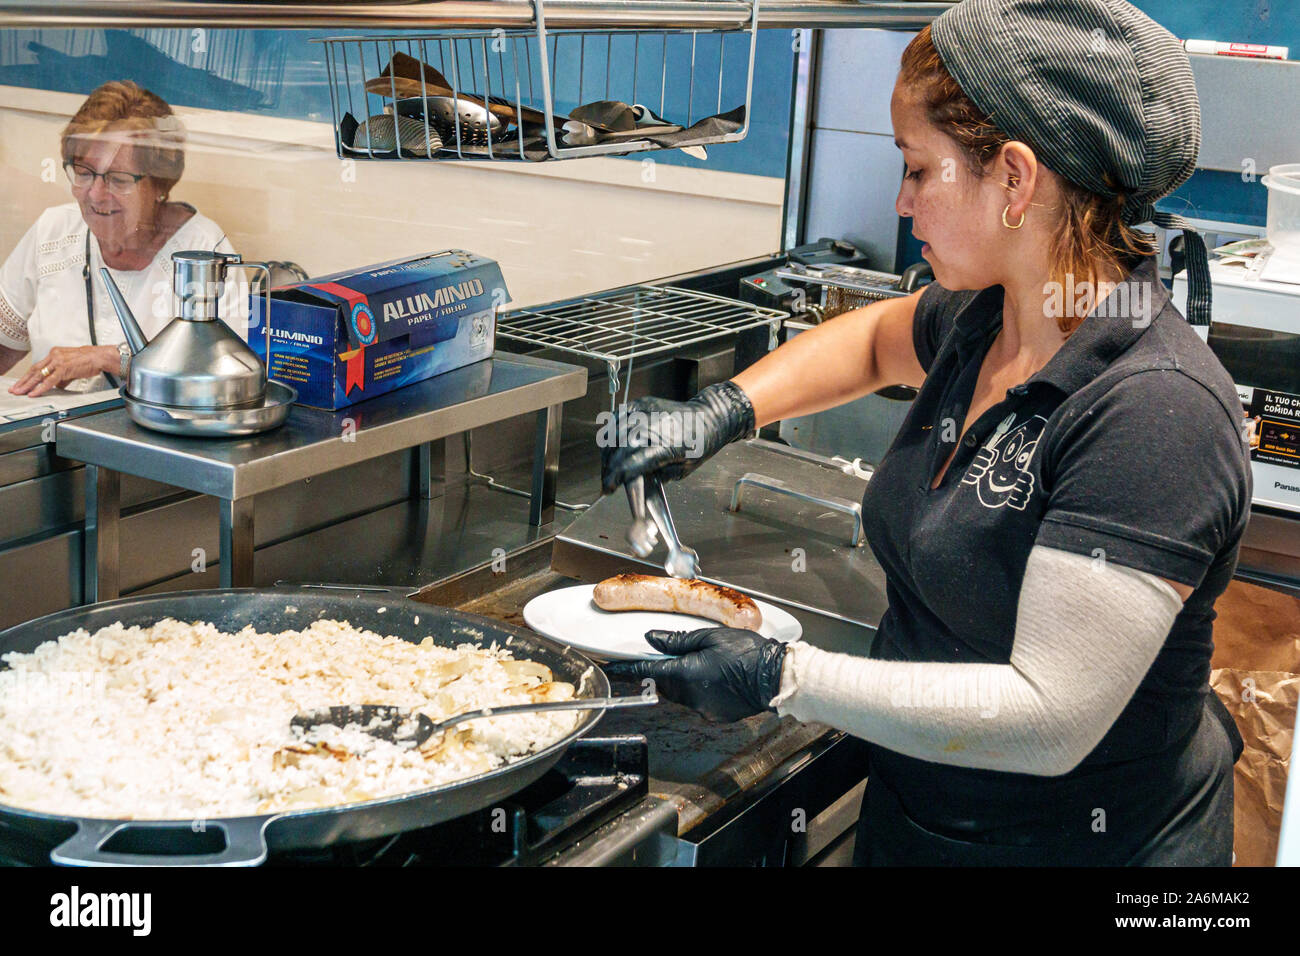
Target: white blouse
x: 43, y: 291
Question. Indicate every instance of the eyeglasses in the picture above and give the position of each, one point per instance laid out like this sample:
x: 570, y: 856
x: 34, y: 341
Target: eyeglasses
x: 117, y: 182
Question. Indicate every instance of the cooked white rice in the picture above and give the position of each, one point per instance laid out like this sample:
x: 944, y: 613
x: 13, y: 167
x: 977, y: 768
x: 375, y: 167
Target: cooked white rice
x: 181, y: 721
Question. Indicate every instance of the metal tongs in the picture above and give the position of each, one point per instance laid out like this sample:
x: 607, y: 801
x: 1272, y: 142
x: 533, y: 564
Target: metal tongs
x: 646, y: 495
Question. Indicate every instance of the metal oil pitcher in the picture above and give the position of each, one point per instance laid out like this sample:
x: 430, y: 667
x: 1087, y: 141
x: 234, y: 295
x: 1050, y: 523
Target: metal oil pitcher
x: 197, y: 376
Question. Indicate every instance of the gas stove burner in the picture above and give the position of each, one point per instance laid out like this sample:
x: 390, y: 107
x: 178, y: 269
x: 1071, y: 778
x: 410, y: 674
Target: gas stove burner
x: 598, y: 778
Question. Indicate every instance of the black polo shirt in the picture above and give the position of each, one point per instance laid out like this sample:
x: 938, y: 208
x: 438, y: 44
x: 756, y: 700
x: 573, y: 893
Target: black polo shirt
x: 1126, y: 447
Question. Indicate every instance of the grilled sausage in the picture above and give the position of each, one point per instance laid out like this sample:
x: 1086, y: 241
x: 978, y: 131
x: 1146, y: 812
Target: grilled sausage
x: 647, y: 592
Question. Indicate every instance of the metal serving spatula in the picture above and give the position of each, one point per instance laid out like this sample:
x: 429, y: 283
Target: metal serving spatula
x: 401, y: 725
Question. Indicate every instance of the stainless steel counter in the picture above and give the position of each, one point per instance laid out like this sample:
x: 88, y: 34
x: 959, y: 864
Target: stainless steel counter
x: 383, y: 520
x: 731, y: 788
x: 736, y: 787
x: 791, y: 547
x: 312, y: 442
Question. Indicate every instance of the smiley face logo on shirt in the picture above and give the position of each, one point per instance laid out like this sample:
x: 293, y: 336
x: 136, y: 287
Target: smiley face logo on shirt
x: 1000, y: 470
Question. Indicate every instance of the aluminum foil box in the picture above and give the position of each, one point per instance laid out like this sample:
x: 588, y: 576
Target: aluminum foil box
x: 346, y: 337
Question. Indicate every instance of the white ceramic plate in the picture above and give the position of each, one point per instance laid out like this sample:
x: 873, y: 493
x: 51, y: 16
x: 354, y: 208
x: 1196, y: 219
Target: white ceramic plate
x: 570, y: 616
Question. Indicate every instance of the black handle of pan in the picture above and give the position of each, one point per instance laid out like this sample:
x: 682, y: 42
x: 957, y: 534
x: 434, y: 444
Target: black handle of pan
x: 186, y: 843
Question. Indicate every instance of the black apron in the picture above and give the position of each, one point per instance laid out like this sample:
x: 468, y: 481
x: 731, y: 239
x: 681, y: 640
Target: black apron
x: 1077, y: 458
x: 1173, y: 809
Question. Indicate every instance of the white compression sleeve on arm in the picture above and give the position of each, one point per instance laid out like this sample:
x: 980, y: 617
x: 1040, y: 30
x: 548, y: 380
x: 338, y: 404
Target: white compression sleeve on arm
x: 1086, y: 634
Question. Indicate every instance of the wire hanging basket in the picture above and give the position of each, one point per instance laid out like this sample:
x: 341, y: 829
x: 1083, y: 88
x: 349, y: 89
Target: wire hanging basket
x: 535, y: 95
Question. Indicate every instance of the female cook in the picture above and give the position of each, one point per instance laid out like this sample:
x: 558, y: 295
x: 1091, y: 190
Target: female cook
x: 1065, y: 500
x: 122, y: 154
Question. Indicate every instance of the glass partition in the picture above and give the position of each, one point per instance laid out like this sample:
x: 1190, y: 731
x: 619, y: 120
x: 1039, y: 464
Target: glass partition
x: 262, y: 177
x: 250, y: 113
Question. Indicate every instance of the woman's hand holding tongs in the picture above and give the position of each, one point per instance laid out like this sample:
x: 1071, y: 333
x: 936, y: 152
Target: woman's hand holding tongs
x: 658, y: 435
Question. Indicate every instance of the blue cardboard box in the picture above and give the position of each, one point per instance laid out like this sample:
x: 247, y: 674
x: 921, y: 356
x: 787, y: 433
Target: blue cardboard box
x: 346, y: 337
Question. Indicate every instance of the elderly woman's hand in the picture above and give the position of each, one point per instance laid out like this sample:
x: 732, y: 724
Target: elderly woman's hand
x: 64, y: 365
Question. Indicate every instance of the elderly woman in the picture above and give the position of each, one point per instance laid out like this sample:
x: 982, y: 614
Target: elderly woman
x: 1064, y: 502
x: 122, y: 154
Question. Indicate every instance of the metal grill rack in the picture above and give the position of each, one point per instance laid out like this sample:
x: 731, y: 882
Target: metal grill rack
x: 634, y: 322
x: 531, y: 95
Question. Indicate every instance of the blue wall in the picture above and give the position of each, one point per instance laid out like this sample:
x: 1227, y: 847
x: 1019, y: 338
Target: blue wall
x: 1275, y: 22
x: 281, y: 73
x: 1211, y: 194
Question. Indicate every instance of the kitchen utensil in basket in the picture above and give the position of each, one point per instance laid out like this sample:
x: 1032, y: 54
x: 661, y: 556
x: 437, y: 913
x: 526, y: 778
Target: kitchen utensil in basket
x: 383, y: 133
x: 531, y: 71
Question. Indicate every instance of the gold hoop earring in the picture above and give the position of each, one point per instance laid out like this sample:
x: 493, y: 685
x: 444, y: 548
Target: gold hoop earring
x: 1007, y: 224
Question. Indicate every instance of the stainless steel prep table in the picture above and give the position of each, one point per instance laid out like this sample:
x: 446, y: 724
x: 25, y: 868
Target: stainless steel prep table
x: 311, y: 442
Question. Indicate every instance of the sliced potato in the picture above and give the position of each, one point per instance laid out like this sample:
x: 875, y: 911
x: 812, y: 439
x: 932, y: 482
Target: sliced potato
x: 516, y: 670
x: 551, y: 691
x: 440, y: 745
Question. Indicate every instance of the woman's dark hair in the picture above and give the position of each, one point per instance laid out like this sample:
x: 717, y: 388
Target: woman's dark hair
x: 1090, y: 230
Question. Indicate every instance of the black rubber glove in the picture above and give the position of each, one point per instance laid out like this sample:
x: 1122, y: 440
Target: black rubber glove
x: 672, y: 438
x: 725, y: 673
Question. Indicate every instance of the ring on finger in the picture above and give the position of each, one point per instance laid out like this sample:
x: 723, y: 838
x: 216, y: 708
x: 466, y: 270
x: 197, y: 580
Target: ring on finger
x: 45, y: 370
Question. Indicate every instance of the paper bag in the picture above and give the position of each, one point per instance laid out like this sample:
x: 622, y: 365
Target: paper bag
x: 1257, y: 676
